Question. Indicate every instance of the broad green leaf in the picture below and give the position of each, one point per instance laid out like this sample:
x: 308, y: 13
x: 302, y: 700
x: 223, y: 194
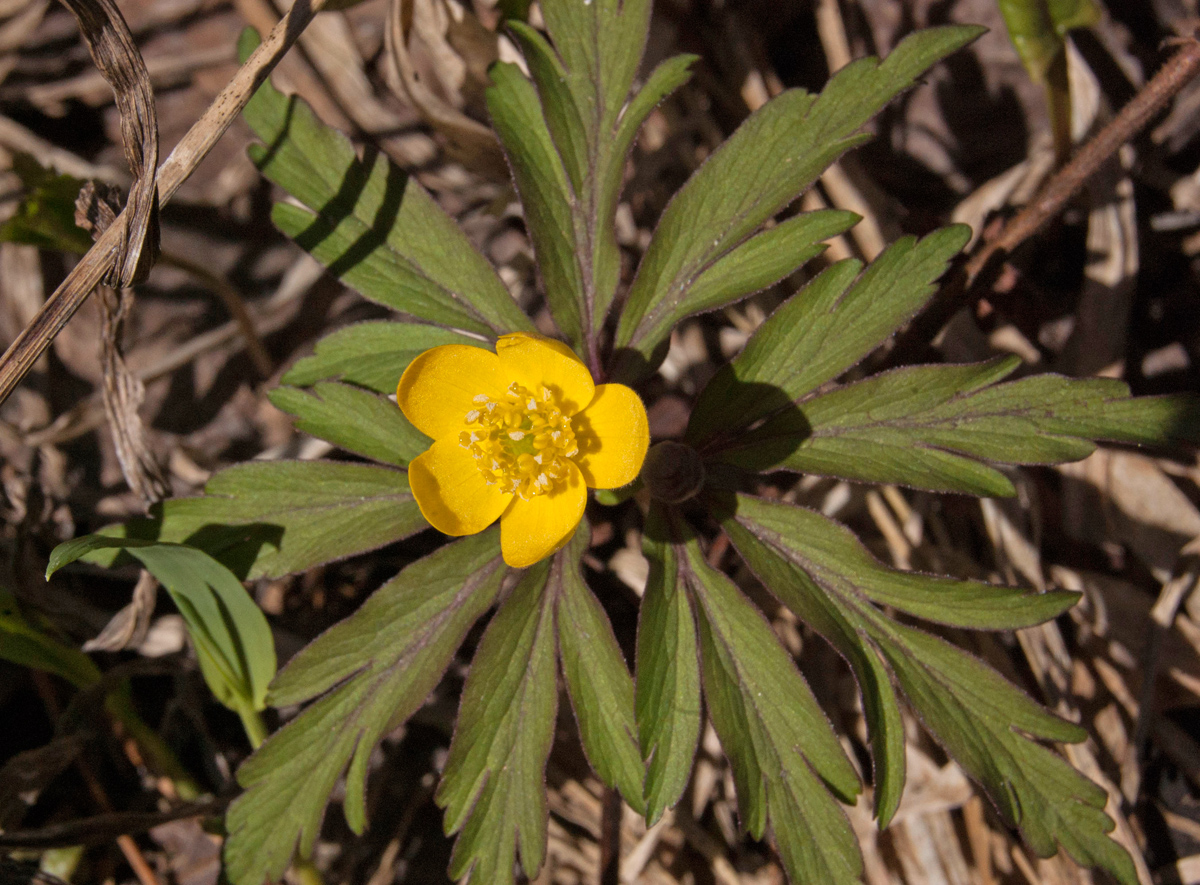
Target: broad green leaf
x: 371, y: 224
x: 374, y: 670
x: 545, y: 196
x: 668, y: 674
x: 986, y: 725
x: 272, y: 518
x: 766, y: 164
x: 232, y: 638
x: 823, y: 330
x: 821, y: 572
x: 596, y: 675
x: 785, y: 756
x: 354, y: 419
x: 930, y: 426
x: 372, y: 355
x: 23, y: 643
x: 494, y: 785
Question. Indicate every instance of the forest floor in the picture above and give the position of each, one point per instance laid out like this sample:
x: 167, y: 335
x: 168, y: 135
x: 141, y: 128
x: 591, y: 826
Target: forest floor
x: 1111, y: 286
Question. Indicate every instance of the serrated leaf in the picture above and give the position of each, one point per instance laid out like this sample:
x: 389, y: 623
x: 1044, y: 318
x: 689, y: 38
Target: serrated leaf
x: 569, y: 143
x: 268, y: 519
x: 596, y: 675
x: 378, y: 666
x: 823, y: 330
x: 542, y: 184
x: 766, y: 164
x: 930, y: 426
x: 784, y: 754
x: 354, y: 419
x: 232, y: 638
x: 494, y: 785
x: 24, y: 644
x: 372, y: 355
x: 667, y: 699
x: 822, y: 573
x: 371, y: 224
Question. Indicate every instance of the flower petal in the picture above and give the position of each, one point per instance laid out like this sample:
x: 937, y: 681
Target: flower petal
x: 451, y: 492
x: 532, y: 530
x: 534, y: 360
x: 613, y: 435
x: 439, y: 387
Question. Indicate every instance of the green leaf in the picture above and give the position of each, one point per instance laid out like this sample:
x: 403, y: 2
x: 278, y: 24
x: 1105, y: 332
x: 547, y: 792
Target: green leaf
x: 272, y: 518
x: 354, y: 419
x: 494, y: 785
x: 823, y: 330
x: 985, y: 723
x: 542, y: 184
x: 784, y: 754
x: 372, y: 355
x: 596, y: 675
x: 45, y: 217
x: 232, y: 638
x: 767, y: 163
x: 24, y: 644
x: 377, y: 667
x: 668, y: 674
x: 568, y: 143
x: 1037, y: 28
x: 371, y: 224
x: 930, y: 426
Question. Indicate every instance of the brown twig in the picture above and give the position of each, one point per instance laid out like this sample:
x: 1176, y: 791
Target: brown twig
x: 192, y: 148
x: 610, y: 837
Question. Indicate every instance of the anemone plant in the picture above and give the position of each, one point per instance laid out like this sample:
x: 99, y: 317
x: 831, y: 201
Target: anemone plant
x: 498, y: 423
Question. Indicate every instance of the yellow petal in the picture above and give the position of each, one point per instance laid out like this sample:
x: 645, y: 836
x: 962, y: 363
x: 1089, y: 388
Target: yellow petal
x: 439, y: 387
x: 532, y: 530
x: 613, y: 435
x: 533, y: 360
x: 451, y: 492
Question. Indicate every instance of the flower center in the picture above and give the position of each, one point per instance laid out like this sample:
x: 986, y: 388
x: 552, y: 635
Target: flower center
x: 521, y: 441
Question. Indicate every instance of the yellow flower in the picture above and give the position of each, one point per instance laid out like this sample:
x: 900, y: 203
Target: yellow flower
x: 519, y: 435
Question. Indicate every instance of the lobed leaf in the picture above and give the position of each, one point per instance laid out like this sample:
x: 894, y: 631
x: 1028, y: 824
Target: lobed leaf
x: 930, y: 426
x: 667, y: 695
x: 272, y: 518
x: 985, y: 723
x: 493, y: 787
x: 785, y: 756
x: 370, y: 224
x: 233, y: 641
x: 378, y: 666
x: 596, y: 676
x: 823, y: 330
x: 354, y: 419
x: 766, y: 164
x: 372, y: 354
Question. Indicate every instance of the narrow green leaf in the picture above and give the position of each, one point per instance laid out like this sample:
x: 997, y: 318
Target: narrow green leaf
x: 545, y: 193
x: 378, y: 666
x: 232, y: 638
x: 823, y: 330
x: 785, y: 756
x: 494, y: 785
x: 372, y: 355
x: 354, y: 419
x: 985, y: 723
x: 24, y: 644
x: 597, y: 677
x: 766, y: 164
x: 929, y: 426
x: 667, y: 697
x: 272, y: 518
x: 372, y: 225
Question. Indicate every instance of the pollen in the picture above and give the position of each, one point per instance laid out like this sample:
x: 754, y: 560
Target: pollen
x: 521, y: 441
